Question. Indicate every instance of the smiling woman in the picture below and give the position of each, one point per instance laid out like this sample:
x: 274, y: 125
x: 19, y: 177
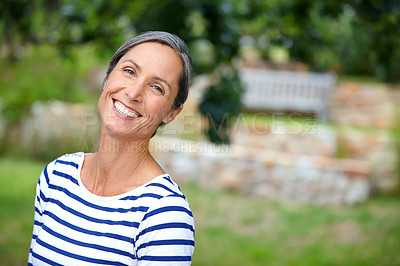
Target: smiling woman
x: 118, y: 206
x: 139, y: 93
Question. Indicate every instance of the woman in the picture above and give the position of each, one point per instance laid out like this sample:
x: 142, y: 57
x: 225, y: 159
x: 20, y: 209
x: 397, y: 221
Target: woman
x: 117, y: 206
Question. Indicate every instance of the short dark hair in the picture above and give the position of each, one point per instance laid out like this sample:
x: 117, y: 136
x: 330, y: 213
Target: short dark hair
x: 170, y: 40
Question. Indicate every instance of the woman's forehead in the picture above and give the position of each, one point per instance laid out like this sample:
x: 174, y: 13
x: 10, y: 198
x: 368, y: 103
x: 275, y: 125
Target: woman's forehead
x: 157, y: 58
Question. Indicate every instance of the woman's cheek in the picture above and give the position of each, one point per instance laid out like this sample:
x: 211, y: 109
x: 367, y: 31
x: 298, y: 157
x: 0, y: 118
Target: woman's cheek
x: 102, y: 103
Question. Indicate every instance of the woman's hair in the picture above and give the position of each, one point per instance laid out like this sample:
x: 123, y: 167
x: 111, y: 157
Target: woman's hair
x: 170, y: 40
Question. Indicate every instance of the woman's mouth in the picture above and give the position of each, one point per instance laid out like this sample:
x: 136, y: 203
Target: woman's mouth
x: 123, y: 110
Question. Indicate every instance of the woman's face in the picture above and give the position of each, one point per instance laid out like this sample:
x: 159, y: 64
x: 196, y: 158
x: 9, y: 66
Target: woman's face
x: 139, y: 93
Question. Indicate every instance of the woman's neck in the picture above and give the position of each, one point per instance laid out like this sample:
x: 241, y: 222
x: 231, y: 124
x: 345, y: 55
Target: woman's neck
x: 119, y: 166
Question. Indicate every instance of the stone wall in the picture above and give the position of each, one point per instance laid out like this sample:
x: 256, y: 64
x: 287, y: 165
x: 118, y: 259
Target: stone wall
x: 269, y: 174
x: 55, y: 127
x: 365, y: 105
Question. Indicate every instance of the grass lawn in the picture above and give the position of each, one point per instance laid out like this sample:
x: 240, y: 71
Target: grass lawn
x: 17, y: 191
x: 233, y: 229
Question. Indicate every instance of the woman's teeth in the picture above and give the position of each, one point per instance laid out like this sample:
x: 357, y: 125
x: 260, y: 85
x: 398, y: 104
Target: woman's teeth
x: 123, y: 111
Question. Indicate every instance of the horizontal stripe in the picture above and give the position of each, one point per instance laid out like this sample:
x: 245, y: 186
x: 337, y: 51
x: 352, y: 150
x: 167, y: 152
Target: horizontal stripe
x: 37, y: 223
x: 177, y: 196
x: 161, y: 186
x: 86, y: 231
x: 167, y: 209
x: 67, y: 176
x: 94, y: 206
x: 88, y: 245
x: 75, y: 256
x: 169, y: 242
x: 166, y: 258
x: 92, y: 219
x: 67, y: 163
x: 144, y: 195
x: 37, y: 256
x: 165, y: 226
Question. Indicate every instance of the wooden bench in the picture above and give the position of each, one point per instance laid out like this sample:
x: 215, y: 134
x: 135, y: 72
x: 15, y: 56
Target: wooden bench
x: 287, y: 91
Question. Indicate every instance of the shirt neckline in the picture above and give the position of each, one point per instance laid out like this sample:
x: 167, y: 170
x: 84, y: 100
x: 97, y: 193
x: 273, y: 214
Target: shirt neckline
x: 135, y: 191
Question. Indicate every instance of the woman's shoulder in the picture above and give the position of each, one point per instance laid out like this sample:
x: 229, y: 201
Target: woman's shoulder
x: 72, y: 159
x: 65, y: 166
x: 167, y: 191
x: 164, y: 186
x: 170, y: 198
x: 67, y: 161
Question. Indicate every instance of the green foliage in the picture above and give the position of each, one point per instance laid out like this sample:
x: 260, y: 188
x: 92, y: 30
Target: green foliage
x: 221, y: 103
x: 382, y: 19
x: 41, y: 75
x: 351, y: 37
x: 354, y: 37
x: 351, y: 45
x: 16, y: 24
x: 207, y: 26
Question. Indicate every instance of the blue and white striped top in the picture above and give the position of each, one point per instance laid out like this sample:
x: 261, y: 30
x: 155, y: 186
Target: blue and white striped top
x: 148, y: 225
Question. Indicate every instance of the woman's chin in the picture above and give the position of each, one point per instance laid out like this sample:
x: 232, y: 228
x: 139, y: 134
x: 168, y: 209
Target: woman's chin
x: 125, y: 132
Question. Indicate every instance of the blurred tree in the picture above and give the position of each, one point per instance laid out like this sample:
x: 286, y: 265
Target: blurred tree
x: 304, y: 27
x: 221, y: 104
x: 319, y: 33
x: 15, y: 26
x: 208, y: 26
x: 381, y: 19
x: 352, y: 56
x: 353, y: 36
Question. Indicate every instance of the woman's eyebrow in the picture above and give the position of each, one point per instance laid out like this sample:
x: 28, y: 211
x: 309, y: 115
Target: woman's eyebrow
x: 139, y: 69
x: 132, y: 62
x: 163, y: 80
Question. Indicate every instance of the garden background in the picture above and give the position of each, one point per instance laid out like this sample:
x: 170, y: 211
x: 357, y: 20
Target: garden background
x: 53, y: 59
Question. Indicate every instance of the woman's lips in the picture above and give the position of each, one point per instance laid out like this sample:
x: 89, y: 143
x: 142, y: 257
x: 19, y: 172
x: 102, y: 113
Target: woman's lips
x: 124, y: 110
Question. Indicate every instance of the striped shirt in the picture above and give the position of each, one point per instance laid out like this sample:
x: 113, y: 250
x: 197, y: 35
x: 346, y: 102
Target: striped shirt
x: 152, y: 224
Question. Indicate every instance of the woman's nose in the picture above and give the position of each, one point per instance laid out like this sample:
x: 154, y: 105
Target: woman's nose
x: 135, y: 92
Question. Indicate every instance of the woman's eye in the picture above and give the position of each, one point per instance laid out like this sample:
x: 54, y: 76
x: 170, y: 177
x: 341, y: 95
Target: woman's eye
x: 129, y: 71
x: 158, y: 88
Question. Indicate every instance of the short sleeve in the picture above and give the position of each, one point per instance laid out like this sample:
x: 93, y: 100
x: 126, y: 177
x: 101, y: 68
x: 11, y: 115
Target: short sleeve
x: 166, y: 233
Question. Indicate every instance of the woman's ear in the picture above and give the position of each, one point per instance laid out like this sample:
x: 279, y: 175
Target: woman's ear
x: 172, y: 114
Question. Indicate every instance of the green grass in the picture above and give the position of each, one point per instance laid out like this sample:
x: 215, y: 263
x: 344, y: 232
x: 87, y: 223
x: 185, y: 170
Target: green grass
x: 234, y: 229
x: 359, y: 79
x: 17, y: 190
x: 237, y: 230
